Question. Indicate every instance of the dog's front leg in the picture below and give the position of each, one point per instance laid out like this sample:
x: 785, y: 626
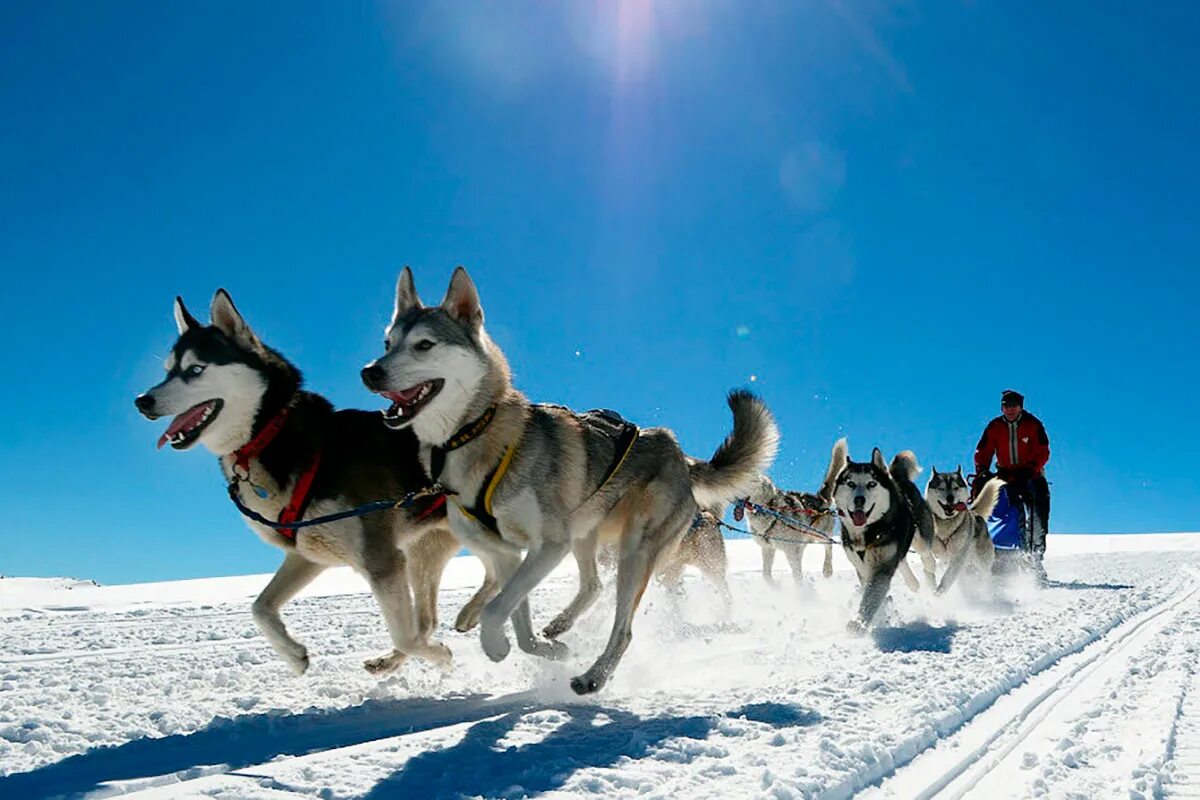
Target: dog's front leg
x: 293, y: 574
x: 512, y: 602
x: 827, y: 567
x: 388, y: 579
x: 956, y: 565
x: 874, y: 593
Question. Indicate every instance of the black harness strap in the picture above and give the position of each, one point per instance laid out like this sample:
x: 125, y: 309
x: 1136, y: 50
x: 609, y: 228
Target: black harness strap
x: 468, y: 432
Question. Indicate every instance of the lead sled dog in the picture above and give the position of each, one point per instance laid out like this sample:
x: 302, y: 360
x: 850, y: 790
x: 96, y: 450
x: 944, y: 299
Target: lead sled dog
x: 286, y: 450
x: 533, y: 482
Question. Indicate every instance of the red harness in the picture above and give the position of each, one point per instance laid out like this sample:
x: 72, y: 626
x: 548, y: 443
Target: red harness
x: 301, y: 491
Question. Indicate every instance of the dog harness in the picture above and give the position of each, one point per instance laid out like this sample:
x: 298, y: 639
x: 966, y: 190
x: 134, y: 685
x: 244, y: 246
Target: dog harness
x: 608, y: 422
x: 297, y: 504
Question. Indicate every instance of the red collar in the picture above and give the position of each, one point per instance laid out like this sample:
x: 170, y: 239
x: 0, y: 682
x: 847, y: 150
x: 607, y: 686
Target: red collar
x: 298, y: 503
x: 251, y: 449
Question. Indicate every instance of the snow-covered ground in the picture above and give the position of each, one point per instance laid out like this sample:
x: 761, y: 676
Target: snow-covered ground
x: 1084, y: 689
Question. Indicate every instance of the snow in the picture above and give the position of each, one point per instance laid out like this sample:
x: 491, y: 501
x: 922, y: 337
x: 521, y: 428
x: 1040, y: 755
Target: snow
x: 1087, y: 688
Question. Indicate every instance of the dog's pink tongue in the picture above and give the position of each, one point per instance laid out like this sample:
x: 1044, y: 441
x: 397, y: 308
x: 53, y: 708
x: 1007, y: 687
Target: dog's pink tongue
x: 406, y: 395
x: 184, y: 421
x: 858, y: 517
x: 960, y: 506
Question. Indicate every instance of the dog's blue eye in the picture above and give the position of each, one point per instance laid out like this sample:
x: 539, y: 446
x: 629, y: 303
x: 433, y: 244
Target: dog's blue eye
x: 423, y: 345
x: 194, y: 370
x: 871, y: 484
x: 851, y: 484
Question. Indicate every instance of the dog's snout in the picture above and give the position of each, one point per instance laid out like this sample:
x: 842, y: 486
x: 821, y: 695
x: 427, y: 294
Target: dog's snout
x: 144, y: 403
x: 372, y: 376
x: 860, y: 501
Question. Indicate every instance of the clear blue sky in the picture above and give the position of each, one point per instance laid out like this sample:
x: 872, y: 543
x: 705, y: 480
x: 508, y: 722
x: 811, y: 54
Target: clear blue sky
x: 886, y: 213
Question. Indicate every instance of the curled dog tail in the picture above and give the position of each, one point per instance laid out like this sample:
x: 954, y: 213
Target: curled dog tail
x: 989, y: 495
x: 905, y: 467
x: 733, y: 470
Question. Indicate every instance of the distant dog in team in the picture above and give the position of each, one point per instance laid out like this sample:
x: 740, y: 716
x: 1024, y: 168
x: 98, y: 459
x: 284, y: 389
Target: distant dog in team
x: 773, y: 533
x: 881, y: 510
x: 533, y: 482
x: 960, y: 533
x: 288, y: 454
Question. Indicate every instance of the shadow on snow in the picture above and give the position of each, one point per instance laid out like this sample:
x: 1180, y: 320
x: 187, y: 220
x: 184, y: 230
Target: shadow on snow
x: 914, y: 637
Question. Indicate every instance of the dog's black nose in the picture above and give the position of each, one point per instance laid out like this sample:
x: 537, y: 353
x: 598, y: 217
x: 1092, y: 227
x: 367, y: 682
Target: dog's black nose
x: 860, y: 501
x: 372, y: 376
x: 144, y: 403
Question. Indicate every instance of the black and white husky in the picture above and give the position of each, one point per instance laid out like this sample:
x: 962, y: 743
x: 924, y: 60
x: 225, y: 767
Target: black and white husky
x: 880, y: 509
x: 960, y: 531
x: 812, y: 509
x: 534, y: 482
x: 288, y: 454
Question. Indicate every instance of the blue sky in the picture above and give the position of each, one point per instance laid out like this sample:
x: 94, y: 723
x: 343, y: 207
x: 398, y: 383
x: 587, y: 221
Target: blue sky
x: 877, y: 215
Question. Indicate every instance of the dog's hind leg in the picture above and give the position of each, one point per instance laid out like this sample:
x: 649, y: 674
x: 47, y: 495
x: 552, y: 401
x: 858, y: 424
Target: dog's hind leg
x: 928, y: 563
x: 426, y: 561
x: 827, y: 566
x: 513, y: 602
x: 714, y: 566
x: 468, y: 617
x: 589, y: 587
x: 293, y: 574
x: 639, y: 553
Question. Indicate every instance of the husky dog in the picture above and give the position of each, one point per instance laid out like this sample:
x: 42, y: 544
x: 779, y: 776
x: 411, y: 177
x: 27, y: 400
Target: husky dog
x: 880, y: 509
x: 959, y: 527
x: 543, y: 479
x: 812, y: 509
x: 287, y: 452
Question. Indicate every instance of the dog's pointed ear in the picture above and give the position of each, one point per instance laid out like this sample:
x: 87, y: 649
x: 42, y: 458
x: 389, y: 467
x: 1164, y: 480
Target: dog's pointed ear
x: 406, y: 295
x: 462, y: 300
x: 933, y: 474
x: 183, y: 318
x: 877, y: 460
x: 958, y: 469
x: 227, y: 319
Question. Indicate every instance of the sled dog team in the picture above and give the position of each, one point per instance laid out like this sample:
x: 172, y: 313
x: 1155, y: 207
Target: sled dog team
x: 466, y: 459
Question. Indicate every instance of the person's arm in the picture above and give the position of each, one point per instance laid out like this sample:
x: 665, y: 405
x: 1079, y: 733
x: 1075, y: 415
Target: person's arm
x: 984, y: 451
x: 1041, y: 450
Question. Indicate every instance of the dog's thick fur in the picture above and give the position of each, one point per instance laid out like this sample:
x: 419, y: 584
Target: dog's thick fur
x: 880, y: 509
x: 442, y: 371
x: 772, y: 533
x: 361, y: 461
x: 960, y: 533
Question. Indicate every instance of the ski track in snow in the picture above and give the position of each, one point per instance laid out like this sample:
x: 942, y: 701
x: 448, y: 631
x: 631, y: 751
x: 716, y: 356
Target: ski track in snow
x: 1085, y: 689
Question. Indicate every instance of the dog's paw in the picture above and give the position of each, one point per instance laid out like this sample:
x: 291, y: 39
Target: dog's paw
x: 586, y: 684
x: 557, y: 627
x: 298, y: 660
x: 439, y: 654
x: 467, y: 619
x: 384, y: 664
x: 827, y: 570
x: 548, y: 649
x: 495, y: 642
x: 856, y: 627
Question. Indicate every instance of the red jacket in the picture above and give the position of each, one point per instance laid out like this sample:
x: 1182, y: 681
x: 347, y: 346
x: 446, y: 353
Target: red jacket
x: 1014, y: 444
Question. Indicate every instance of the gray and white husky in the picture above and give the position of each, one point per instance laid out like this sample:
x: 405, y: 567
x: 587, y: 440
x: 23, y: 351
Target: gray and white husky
x: 880, y: 509
x: 960, y: 531
x: 533, y: 482
x: 773, y: 534
x: 281, y: 447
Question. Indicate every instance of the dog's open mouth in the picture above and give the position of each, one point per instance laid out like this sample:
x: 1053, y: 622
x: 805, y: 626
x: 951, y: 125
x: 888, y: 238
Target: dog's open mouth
x: 950, y: 509
x: 185, y: 429
x: 407, y: 403
x: 859, y: 517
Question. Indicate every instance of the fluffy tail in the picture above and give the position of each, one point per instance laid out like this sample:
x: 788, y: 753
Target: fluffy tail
x: 982, y: 505
x: 733, y: 470
x: 905, y: 466
x: 837, y: 462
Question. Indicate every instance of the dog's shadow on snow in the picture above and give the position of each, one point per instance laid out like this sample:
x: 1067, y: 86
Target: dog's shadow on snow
x: 592, y: 736
x: 478, y: 764
x: 1078, y: 585
x: 254, y: 739
x: 916, y: 637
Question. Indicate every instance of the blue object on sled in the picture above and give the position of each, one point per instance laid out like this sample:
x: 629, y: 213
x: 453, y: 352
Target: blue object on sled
x: 1004, y: 524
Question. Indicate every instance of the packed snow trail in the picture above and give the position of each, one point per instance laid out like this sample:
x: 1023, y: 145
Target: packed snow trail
x: 169, y: 690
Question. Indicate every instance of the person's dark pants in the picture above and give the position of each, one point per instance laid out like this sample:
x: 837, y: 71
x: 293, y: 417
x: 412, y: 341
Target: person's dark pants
x: 1034, y: 493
